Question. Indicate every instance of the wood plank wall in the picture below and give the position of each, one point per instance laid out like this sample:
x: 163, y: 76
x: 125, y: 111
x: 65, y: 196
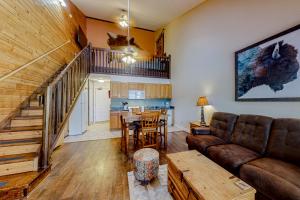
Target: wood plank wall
x: 28, y: 29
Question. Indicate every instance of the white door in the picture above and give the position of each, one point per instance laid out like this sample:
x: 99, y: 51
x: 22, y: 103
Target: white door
x: 102, y: 105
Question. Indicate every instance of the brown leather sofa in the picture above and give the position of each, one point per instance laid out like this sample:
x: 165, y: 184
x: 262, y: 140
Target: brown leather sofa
x: 221, y: 127
x: 277, y: 175
x: 264, y: 152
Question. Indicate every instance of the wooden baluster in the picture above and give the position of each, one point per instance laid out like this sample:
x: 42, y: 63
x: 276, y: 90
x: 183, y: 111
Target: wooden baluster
x: 136, y: 67
x: 160, y: 66
x: 97, y: 59
x: 116, y: 63
x: 168, y: 63
x: 114, y: 68
x: 148, y: 69
x: 106, y: 61
x: 154, y: 66
x: 144, y: 68
x: 100, y: 60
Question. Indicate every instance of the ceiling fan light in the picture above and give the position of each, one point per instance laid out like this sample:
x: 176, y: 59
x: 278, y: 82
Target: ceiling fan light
x: 123, y: 21
x: 128, y: 59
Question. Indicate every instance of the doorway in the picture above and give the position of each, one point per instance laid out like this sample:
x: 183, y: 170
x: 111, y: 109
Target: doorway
x: 102, y: 103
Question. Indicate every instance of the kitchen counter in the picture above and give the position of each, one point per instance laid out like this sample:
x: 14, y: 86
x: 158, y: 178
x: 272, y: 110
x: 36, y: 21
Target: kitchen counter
x: 146, y: 108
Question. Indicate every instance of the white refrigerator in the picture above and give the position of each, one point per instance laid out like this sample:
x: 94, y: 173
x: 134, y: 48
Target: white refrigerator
x: 78, y: 121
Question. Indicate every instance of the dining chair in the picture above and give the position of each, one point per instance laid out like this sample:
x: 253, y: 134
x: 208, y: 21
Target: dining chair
x: 149, y: 129
x: 162, y: 123
x: 123, y: 131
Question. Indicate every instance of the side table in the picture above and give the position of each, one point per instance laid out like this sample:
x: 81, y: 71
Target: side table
x: 196, y: 125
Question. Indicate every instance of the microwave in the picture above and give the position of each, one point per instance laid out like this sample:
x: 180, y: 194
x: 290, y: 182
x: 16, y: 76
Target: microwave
x: 136, y: 94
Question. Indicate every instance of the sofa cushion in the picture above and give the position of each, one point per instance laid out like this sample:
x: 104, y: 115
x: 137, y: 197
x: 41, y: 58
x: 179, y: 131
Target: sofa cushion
x: 222, y: 125
x: 202, y: 142
x: 274, y: 178
x: 252, y: 132
x: 231, y: 156
x: 284, y: 142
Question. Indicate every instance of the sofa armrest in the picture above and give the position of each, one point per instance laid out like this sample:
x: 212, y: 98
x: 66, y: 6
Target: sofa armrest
x: 201, y: 131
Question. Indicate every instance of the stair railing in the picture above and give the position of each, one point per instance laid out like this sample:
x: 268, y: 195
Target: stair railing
x: 59, y: 98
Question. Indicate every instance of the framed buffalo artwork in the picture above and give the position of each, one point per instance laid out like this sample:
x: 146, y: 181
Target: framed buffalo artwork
x: 269, y: 70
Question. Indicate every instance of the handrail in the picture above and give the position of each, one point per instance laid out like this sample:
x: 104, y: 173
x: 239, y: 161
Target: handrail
x: 32, y: 61
x: 66, y: 68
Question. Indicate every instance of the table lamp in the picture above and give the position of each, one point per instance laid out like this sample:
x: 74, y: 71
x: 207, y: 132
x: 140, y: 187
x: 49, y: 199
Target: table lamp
x: 202, y: 101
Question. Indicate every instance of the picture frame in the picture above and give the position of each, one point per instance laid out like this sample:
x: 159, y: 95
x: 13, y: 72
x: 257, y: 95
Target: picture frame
x: 269, y: 70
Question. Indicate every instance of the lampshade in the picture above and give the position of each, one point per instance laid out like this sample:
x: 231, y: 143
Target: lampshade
x: 202, y: 101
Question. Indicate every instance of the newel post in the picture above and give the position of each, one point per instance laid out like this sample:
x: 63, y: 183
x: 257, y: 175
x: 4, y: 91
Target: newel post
x: 46, y: 128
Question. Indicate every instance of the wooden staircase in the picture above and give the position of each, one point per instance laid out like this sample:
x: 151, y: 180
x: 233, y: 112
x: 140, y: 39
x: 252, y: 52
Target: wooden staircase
x: 21, y: 140
x: 29, y: 135
x: 20, y: 151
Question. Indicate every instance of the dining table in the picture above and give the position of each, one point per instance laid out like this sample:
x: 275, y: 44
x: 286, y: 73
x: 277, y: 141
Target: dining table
x: 130, y: 118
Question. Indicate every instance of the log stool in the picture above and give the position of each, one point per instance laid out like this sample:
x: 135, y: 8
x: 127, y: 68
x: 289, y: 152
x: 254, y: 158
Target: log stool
x: 146, y: 165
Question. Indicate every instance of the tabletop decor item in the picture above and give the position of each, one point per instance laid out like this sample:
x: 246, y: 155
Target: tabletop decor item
x: 269, y: 70
x: 202, y: 101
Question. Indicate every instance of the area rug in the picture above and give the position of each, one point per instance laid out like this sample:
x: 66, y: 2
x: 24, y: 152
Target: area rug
x: 156, y: 190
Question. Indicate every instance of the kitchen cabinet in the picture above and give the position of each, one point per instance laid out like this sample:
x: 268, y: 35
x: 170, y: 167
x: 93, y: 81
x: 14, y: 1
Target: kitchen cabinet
x: 115, y: 122
x: 169, y: 91
x: 152, y: 91
x: 124, y: 90
x: 158, y: 91
x: 163, y: 90
x: 136, y: 86
x: 148, y: 94
x: 114, y: 89
x: 119, y: 90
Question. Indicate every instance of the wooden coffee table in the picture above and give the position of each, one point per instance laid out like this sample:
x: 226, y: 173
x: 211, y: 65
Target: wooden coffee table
x: 192, y: 176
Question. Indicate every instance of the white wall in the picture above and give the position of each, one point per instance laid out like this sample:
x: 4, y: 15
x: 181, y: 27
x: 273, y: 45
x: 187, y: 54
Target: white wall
x: 202, y: 44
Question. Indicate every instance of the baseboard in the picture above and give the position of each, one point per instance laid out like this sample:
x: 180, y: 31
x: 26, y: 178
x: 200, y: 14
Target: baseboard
x: 182, y: 128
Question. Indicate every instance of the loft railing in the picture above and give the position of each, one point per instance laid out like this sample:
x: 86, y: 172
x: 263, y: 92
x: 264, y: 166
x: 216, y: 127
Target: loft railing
x: 108, y: 61
x: 59, y: 98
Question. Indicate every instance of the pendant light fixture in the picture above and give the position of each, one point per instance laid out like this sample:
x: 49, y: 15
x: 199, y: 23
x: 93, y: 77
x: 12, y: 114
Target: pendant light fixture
x: 128, y: 57
x: 123, y: 20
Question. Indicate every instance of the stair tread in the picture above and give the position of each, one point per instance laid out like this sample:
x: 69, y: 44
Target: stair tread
x: 17, y: 158
x: 33, y: 108
x: 21, y: 180
x: 21, y: 128
x: 19, y: 142
x: 28, y: 117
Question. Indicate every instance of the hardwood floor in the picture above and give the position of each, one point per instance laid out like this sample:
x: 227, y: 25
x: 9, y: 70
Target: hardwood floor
x: 94, y: 170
